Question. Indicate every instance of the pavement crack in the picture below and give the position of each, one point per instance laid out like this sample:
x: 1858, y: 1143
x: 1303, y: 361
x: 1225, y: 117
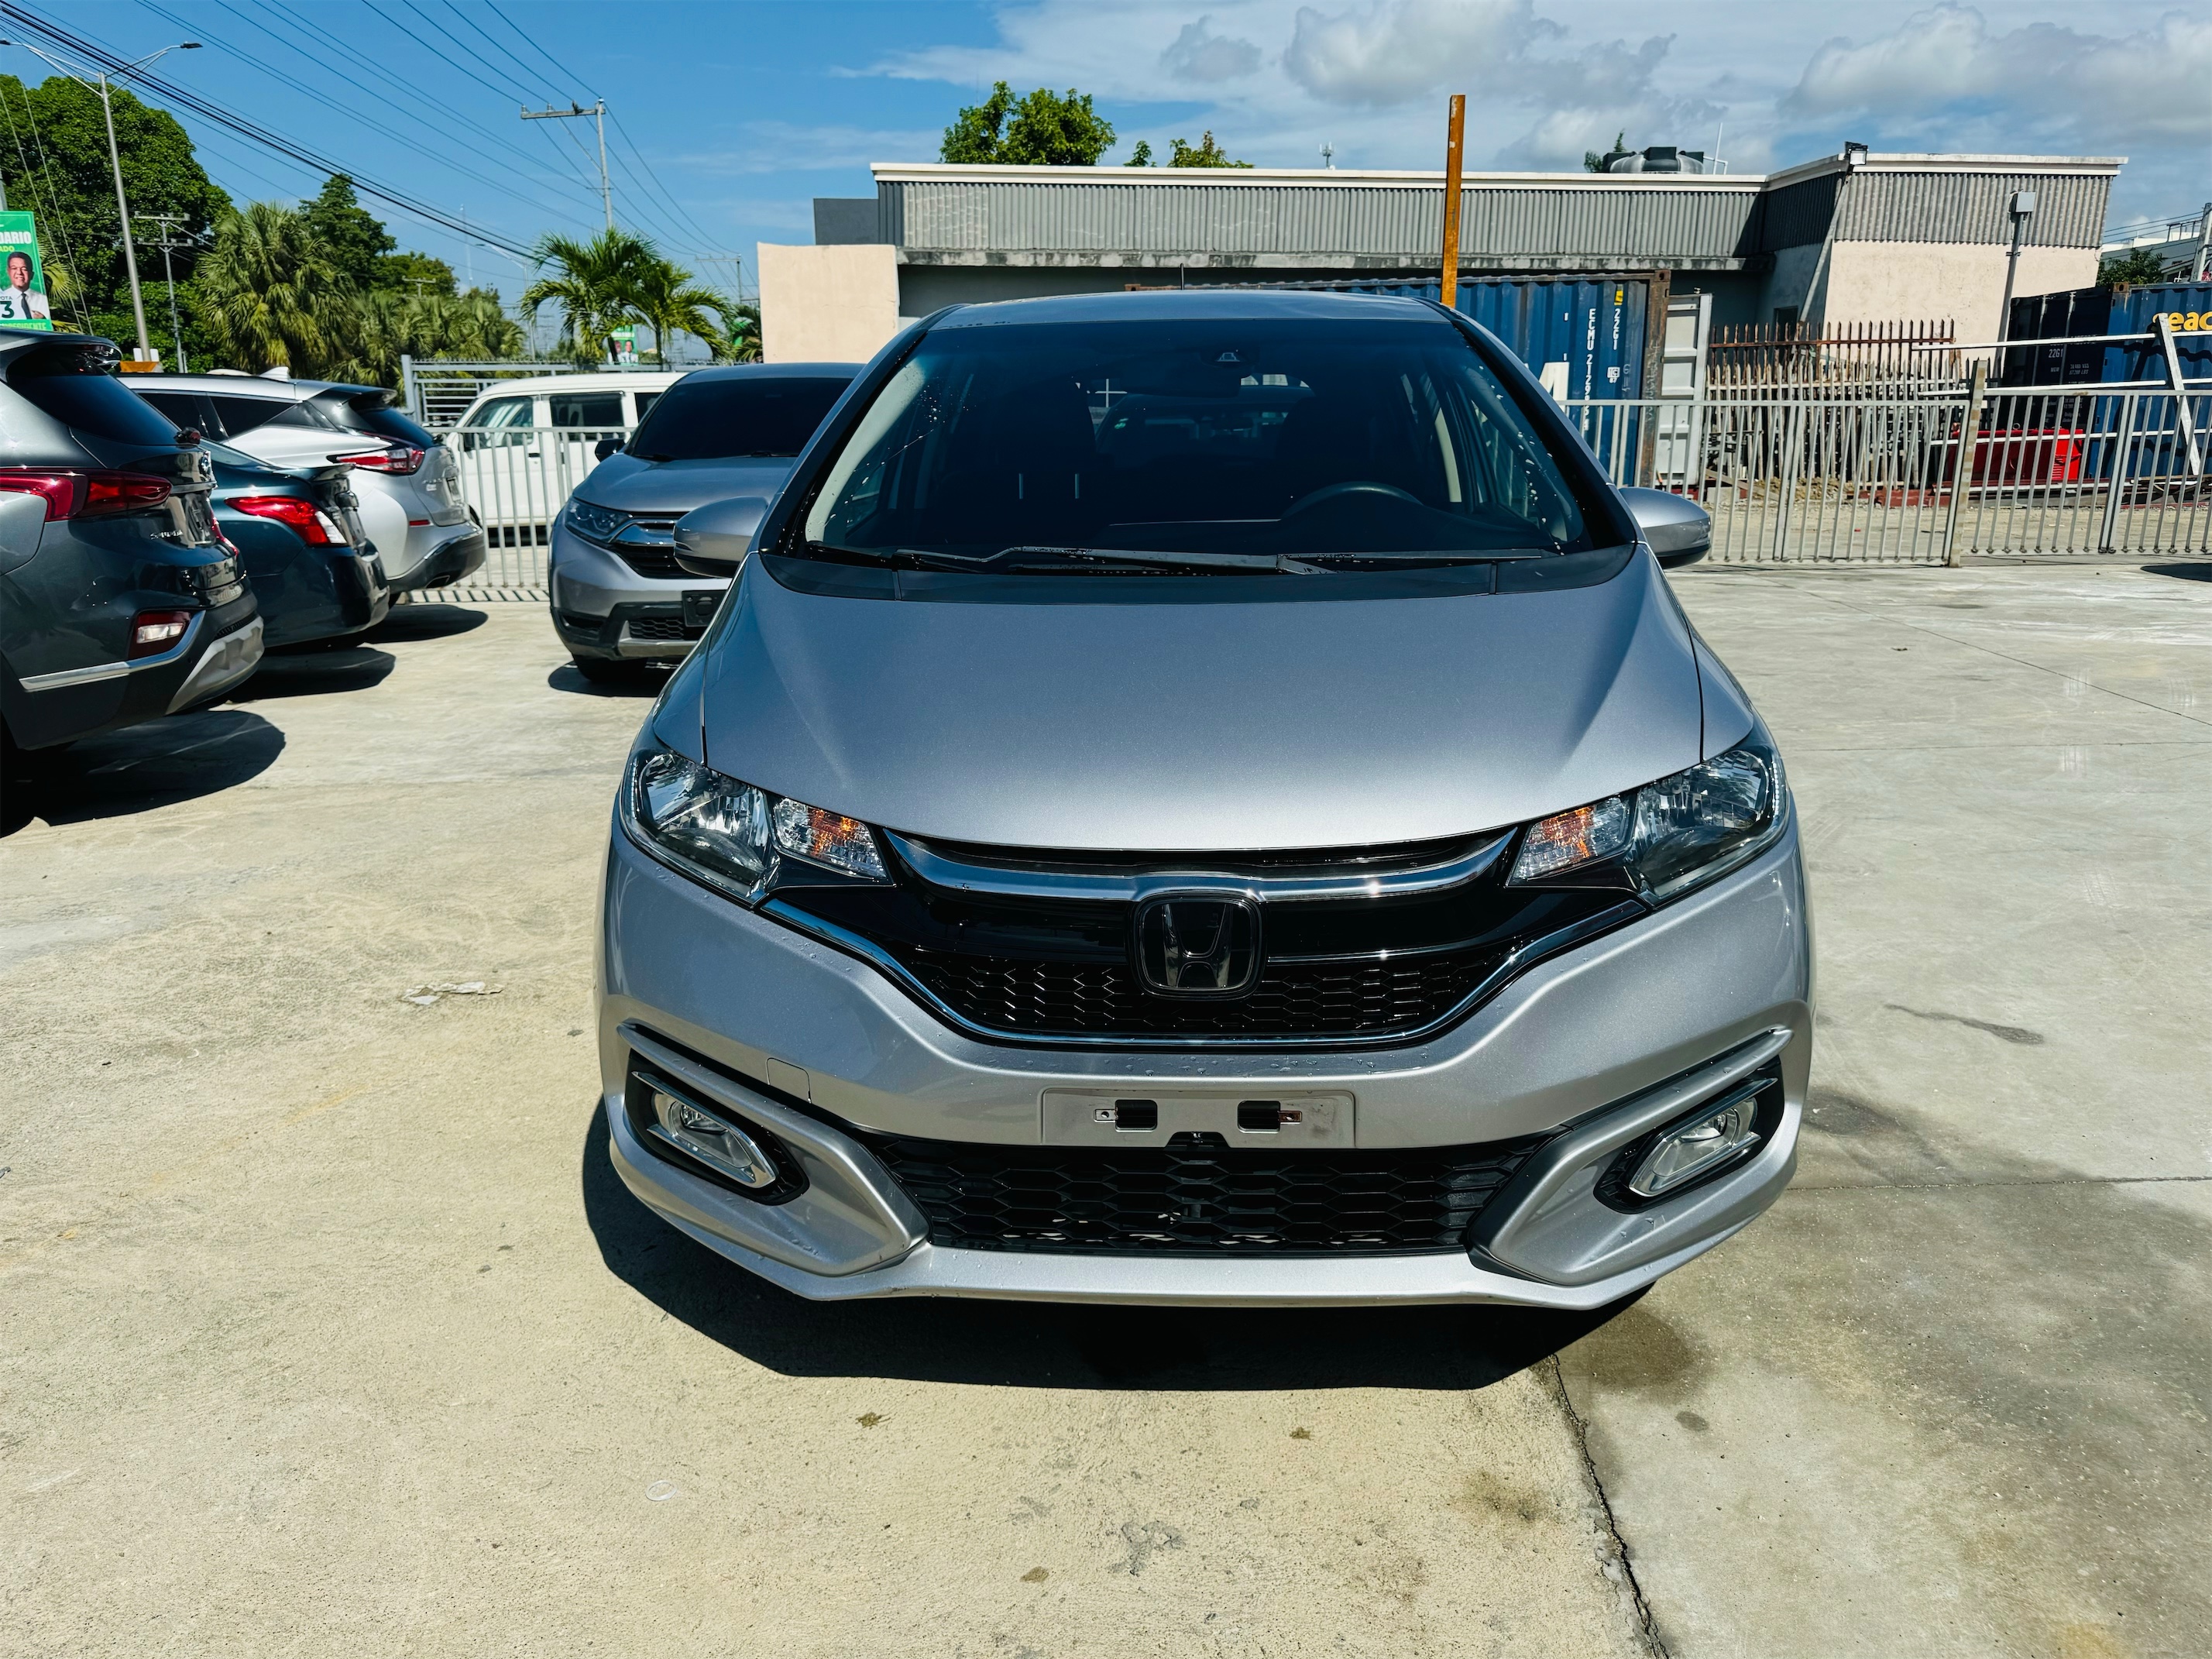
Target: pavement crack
x: 1555, y: 1379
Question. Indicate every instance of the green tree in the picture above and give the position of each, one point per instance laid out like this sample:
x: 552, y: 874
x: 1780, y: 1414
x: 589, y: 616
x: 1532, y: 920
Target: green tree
x: 1043, y: 128
x: 353, y: 237
x: 273, y: 296
x: 667, y: 297
x: 1142, y: 156
x: 415, y: 273
x: 741, y: 342
x: 595, y: 283
x: 1594, y: 162
x: 387, y: 325
x: 1204, y: 153
x: 53, y: 154
x: 2137, y: 266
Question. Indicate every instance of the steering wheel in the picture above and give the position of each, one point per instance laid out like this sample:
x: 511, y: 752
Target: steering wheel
x: 1333, y: 492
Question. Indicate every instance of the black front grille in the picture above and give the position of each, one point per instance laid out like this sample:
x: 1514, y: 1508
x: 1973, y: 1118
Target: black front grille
x: 1198, y: 1196
x: 1293, y: 999
x: 664, y: 627
x: 652, y: 561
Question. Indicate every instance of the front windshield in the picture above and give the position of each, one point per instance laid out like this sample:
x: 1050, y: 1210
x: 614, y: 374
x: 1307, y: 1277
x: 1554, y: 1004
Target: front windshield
x: 1284, y: 439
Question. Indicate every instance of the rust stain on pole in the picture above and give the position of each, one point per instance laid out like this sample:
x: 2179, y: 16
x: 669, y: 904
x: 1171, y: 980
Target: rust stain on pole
x: 1451, y: 198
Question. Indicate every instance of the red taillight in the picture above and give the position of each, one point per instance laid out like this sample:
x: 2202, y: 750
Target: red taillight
x: 70, y: 495
x: 313, y: 525
x: 153, y: 632
x: 402, y: 459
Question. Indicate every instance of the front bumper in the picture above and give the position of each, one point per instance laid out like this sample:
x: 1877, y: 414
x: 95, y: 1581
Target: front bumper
x: 603, y: 608
x: 1593, y: 1047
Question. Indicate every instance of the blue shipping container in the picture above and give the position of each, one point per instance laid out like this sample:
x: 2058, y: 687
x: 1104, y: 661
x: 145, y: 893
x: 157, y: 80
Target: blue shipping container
x: 1594, y: 324
x: 2107, y: 311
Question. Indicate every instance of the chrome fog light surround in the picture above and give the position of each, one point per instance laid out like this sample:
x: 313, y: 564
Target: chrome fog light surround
x: 735, y: 1153
x: 1704, y: 1142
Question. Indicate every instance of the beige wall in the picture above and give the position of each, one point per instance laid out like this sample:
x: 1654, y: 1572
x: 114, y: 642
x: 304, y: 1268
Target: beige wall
x: 827, y: 305
x: 1961, y: 281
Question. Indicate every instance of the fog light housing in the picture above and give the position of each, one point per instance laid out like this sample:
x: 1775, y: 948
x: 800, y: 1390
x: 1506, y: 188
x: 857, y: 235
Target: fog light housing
x: 713, y: 1141
x: 1714, y: 1135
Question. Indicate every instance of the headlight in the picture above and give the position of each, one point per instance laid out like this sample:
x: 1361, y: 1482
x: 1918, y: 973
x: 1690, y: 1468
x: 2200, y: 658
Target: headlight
x: 731, y: 835
x: 594, y: 523
x: 1668, y: 836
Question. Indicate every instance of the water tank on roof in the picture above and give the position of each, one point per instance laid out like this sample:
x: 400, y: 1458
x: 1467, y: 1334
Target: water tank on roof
x: 1658, y: 158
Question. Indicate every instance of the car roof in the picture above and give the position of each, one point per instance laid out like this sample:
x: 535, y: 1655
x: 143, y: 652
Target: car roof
x: 609, y: 379
x: 1199, y: 305
x: 231, y: 386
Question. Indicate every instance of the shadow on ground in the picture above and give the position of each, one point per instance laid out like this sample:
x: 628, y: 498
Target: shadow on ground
x: 141, y: 767
x: 2198, y: 571
x: 642, y: 680
x: 434, y: 621
x: 1043, y: 1345
x: 315, y: 673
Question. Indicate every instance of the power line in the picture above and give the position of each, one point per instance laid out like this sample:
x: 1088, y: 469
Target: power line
x: 327, y: 102
x: 174, y: 94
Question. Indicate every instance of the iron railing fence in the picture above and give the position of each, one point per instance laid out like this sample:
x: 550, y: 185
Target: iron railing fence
x: 1874, y: 479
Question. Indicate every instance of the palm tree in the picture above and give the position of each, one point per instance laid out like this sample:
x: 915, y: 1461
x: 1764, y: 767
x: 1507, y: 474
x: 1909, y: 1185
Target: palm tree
x: 666, y: 295
x: 271, y: 293
x: 594, y: 283
x: 743, y: 343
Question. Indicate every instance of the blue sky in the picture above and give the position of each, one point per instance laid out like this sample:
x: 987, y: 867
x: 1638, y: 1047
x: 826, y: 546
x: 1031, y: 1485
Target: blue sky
x: 733, y: 116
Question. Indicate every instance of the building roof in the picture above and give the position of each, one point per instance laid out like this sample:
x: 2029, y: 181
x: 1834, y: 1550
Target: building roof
x: 936, y: 213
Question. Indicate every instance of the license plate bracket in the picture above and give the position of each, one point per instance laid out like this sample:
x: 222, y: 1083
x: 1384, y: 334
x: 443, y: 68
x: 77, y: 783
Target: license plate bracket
x: 1277, y: 1119
x: 700, y: 605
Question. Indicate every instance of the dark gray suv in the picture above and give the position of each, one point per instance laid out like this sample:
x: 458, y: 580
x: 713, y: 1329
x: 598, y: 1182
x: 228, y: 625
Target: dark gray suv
x: 120, y: 600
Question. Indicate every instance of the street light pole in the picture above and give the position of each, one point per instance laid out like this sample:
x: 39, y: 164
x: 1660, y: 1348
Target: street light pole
x: 115, y: 161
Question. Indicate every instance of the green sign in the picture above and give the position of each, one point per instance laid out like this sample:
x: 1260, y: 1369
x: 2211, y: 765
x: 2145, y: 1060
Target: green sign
x: 23, y: 295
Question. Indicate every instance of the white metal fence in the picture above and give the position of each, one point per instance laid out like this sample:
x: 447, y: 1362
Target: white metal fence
x: 1921, y: 480
x: 1862, y: 480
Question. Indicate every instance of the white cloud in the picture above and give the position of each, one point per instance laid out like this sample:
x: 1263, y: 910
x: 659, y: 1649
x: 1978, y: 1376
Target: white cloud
x: 1199, y: 54
x: 1947, y: 70
x: 1386, y: 53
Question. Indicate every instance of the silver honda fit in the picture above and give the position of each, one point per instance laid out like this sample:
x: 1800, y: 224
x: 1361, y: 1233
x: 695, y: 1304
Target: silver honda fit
x: 1203, y: 797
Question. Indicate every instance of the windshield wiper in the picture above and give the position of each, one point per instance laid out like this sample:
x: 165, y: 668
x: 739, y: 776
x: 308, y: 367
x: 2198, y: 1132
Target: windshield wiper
x: 1102, y: 557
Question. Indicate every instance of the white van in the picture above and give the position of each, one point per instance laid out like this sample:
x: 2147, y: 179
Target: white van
x: 525, y: 444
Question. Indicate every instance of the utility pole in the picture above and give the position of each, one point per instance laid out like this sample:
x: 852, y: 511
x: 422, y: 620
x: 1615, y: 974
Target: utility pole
x: 1457, y: 133
x: 115, y: 161
x: 168, y: 246
x: 598, y: 113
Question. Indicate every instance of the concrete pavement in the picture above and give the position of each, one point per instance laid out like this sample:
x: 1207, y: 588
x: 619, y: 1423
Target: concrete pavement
x: 324, y: 1325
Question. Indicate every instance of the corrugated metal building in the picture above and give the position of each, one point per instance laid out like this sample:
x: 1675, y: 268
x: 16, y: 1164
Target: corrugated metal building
x: 1847, y: 238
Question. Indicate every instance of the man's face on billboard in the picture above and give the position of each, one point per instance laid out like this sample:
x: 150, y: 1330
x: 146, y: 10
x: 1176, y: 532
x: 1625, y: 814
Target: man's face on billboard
x: 19, y: 270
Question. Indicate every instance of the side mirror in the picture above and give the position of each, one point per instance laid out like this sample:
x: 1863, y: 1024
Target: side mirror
x: 713, y: 540
x: 1680, y: 531
x: 606, y: 446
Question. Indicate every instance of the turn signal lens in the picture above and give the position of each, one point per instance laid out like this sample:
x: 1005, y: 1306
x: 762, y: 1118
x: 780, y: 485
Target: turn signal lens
x: 1566, y: 840
x: 820, y: 837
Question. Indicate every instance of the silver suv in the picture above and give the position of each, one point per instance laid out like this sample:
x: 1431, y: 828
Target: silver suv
x: 620, y: 600
x: 1205, y: 797
x: 409, y: 483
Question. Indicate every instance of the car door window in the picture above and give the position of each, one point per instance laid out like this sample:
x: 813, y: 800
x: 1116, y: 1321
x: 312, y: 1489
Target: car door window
x: 240, y: 416
x: 645, y: 401
x: 502, y: 413
x: 601, y: 410
x: 188, y: 410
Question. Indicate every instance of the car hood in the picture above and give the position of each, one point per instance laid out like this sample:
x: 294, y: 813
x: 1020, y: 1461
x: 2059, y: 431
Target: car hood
x: 1202, y: 726
x: 631, y: 485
